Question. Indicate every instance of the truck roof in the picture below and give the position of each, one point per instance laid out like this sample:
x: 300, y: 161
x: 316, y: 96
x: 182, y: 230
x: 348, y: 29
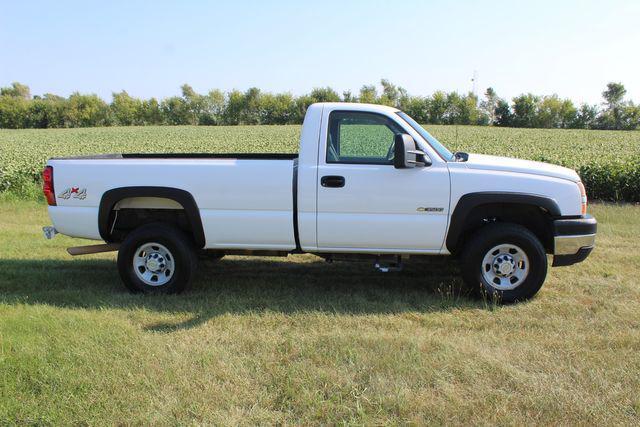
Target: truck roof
x: 357, y: 106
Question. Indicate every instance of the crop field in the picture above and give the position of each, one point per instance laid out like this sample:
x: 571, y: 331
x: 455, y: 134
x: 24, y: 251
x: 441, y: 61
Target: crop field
x: 298, y: 341
x: 607, y: 161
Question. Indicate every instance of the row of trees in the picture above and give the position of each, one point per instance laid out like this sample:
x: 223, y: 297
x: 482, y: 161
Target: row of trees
x: 18, y: 109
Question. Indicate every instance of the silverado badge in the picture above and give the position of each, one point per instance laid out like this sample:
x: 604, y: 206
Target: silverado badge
x: 74, y: 192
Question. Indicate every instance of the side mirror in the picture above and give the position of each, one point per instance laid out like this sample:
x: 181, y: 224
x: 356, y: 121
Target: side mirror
x: 405, y: 153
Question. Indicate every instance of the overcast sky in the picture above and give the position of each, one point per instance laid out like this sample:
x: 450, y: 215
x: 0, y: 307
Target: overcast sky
x: 150, y: 48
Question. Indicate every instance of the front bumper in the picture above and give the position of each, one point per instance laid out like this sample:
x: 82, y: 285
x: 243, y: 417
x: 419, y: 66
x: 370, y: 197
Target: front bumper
x: 574, y: 239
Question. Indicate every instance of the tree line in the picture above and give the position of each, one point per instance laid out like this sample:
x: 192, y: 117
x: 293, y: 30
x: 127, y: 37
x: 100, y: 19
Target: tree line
x: 19, y: 109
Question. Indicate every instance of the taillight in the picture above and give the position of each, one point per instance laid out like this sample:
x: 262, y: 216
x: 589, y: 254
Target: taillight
x: 583, y: 198
x: 47, y: 185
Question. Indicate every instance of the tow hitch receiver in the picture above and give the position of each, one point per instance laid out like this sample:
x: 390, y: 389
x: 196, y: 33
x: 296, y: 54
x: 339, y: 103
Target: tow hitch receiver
x: 389, y: 265
x: 49, y: 232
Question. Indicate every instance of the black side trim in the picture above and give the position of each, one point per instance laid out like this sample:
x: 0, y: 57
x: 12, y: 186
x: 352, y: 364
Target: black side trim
x: 239, y: 156
x: 563, y: 260
x: 296, y: 232
x: 472, y: 200
x: 111, y: 197
x: 575, y: 227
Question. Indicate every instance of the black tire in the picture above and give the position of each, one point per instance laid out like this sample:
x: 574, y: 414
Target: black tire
x: 488, y: 238
x: 182, y: 256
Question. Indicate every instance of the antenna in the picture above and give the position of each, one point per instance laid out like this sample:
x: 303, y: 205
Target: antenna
x: 457, y: 136
x: 474, y: 81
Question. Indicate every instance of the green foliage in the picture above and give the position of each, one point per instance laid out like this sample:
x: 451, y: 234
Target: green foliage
x: 126, y: 110
x: 503, y: 114
x: 278, y: 109
x: 368, y: 94
x: 19, y: 110
x: 250, y: 112
x: 613, y: 180
x: 86, y: 111
x: 391, y: 94
x: 618, y: 113
x: 524, y: 110
x: 614, y: 94
x: 461, y: 110
x: 488, y: 106
x: 324, y: 94
x: 437, y: 107
x: 16, y: 90
x: 585, y: 117
x: 13, y: 112
x: 151, y: 112
x: 554, y: 112
x: 46, y: 112
x: 175, y: 111
x: 416, y: 107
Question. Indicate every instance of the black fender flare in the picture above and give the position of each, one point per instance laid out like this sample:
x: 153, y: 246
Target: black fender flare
x: 184, y: 198
x: 470, y: 201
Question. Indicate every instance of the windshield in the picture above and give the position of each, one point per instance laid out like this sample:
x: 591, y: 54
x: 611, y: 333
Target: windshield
x: 441, y: 149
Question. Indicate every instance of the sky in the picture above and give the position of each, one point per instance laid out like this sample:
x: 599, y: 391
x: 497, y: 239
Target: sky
x: 150, y: 48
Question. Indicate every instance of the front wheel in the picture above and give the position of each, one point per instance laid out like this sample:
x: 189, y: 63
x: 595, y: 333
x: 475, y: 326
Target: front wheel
x: 505, y: 261
x: 157, y: 258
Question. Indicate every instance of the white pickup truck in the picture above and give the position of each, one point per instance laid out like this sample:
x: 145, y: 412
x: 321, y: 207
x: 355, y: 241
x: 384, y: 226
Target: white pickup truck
x: 368, y: 182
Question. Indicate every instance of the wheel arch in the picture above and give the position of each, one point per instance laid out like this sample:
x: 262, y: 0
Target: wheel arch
x: 472, y: 205
x: 185, y: 199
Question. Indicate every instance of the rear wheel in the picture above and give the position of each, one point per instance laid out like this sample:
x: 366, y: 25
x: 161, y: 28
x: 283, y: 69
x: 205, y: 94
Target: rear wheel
x: 505, y: 261
x: 157, y: 258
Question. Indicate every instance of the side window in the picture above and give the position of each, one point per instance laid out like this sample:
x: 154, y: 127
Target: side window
x: 365, y: 138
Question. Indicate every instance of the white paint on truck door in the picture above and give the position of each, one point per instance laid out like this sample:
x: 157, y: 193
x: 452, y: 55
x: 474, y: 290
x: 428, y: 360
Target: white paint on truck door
x: 367, y: 205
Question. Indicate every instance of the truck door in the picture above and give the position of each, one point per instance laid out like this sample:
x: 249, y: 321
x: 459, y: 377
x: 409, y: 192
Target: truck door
x: 364, y: 203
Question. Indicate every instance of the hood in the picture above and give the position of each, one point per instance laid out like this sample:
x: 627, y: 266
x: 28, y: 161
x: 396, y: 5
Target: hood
x: 481, y: 161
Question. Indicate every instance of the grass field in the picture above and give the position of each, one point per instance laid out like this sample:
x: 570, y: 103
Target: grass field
x: 608, y: 161
x: 299, y: 341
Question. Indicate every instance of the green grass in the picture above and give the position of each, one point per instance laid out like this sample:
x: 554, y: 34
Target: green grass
x: 608, y: 161
x: 299, y: 341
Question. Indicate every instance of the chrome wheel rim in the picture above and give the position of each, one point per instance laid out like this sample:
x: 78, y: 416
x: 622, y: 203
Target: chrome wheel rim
x: 505, y: 267
x: 153, y: 264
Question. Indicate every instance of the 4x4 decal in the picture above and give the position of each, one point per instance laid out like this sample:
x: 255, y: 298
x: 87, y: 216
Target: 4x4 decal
x: 74, y: 192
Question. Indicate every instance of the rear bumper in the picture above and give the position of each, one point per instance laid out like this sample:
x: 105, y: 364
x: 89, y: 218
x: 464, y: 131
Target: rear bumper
x: 574, y: 239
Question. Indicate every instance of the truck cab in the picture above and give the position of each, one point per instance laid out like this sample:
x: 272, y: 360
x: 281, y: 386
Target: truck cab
x: 368, y: 182
x: 351, y: 194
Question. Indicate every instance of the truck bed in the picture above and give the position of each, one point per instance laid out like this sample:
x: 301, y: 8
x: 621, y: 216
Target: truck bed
x: 245, y: 200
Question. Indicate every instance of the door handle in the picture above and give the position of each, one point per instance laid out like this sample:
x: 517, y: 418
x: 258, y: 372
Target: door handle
x: 332, y: 181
